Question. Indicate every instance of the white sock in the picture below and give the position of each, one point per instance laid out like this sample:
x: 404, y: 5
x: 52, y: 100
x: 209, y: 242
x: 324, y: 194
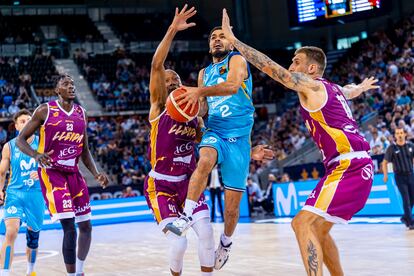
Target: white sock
x: 189, y: 207
x: 226, y: 241
x: 79, y: 265
x: 4, y: 272
x: 30, y: 268
x: 71, y: 274
x: 206, y: 273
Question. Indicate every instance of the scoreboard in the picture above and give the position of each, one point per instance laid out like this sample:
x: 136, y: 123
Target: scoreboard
x: 304, y: 11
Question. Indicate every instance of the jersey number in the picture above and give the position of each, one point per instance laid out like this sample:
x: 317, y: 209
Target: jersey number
x: 224, y: 109
x: 69, y: 127
x: 28, y: 182
x: 345, y: 105
x: 67, y: 203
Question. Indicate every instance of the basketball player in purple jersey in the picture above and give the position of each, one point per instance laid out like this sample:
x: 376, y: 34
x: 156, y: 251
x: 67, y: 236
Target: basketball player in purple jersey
x: 345, y: 187
x: 63, y: 141
x: 173, y: 160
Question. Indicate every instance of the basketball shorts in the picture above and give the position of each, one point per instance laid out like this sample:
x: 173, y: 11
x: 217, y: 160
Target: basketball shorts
x: 66, y: 194
x: 233, y: 156
x: 343, y: 191
x: 166, y: 198
x: 26, y: 205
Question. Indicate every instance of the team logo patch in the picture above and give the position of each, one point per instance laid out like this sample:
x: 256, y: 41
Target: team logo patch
x: 55, y: 114
x: 367, y: 172
x: 12, y: 210
x: 223, y: 69
x: 232, y: 140
x: 210, y: 140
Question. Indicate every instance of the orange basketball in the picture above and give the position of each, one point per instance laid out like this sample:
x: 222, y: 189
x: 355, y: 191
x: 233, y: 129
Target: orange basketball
x: 175, y: 111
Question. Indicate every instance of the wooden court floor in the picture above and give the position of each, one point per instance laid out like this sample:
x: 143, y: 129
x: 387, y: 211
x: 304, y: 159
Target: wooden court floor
x: 259, y: 249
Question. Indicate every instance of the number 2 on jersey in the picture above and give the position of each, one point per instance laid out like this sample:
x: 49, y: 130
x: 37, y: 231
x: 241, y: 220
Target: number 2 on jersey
x: 224, y: 109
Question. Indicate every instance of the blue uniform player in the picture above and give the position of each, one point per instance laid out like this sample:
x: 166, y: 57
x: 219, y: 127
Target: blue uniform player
x: 24, y: 200
x: 226, y: 87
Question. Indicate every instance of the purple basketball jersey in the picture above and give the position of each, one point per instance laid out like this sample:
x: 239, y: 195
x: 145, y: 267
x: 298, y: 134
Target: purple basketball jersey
x: 63, y: 132
x: 171, y: 148
x: 333, y: 127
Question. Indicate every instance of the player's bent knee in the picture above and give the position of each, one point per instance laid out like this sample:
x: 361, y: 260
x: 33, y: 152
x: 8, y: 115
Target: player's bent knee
x: 11, y: 233
x: 32, y: 239
x: 178, y: 245
x: 69, y: 241
x: 85, y: 227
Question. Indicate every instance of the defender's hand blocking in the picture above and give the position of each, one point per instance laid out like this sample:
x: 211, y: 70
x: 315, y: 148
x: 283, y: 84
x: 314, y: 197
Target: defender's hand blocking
x: 262, y: 152
x: 191, y: 98
x: 226, y: 27
x: 102, y: 179
x: 181, y: 17
x: 44, y: 159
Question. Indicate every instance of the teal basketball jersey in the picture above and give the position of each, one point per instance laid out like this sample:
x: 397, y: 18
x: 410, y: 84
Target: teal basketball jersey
x: 229, y: 116
x: 21, y: 166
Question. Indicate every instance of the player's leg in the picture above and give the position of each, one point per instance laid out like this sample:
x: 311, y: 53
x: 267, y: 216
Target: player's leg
x: 69, y: 244
x: 401, y: 181
x: 7, y: 249
x: 220, y: 202
x: 162, y: 199
x: 84, y: 244
x: 13, y: 213
x: 310, y: 247
x: 198, y: 180
x: 32, y: 244
x: 330, y: 251
x: 234, y: 171
x: 34, y: 211
x: 210, y: 154
x: 81, y: 205
x: 205, y: 234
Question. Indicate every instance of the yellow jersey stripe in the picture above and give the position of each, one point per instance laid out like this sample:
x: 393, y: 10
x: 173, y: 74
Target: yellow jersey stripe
x: 49, y: 192
x: 153, y: 144
x: 152, y: 194
x: 339, y: 137
x: 41, y: 147
x: 330, y: 185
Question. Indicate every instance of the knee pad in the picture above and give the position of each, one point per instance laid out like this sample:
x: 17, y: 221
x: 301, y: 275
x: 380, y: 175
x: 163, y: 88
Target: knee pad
x: 32, y: 239
x: 205, y: 233
x: 178, y: 246
x: 69, y: 241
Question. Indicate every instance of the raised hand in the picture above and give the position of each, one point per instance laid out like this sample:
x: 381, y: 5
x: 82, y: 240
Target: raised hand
x: 181, y: 17
x: 368, y: 83
x: 190, y: 98
x: 226, y: 27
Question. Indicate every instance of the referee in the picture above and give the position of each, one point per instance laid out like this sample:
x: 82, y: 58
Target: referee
x: 401, y: 155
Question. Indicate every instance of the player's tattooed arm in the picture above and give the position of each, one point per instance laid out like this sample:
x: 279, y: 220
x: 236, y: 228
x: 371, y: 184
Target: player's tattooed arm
x: 4, y: 167
x: 34, y: 124
x: 90, y: 164
x: 157, y: 87
x: 296, y: 81
x: 351, y: 91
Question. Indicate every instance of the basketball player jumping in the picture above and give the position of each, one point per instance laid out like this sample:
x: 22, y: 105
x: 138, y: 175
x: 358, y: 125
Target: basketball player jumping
x: 226, y: 85
x: 63, y: 140
x: 345, y: 187
x: 24, y: 199
x: 173, y: 160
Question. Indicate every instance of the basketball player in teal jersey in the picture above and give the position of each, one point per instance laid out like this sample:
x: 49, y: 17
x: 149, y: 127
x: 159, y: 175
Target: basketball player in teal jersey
x: 23, y: 197
x: 226, y: 86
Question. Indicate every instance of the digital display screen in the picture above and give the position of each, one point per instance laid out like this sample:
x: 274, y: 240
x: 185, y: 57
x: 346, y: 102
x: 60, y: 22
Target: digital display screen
x: 321, y: 10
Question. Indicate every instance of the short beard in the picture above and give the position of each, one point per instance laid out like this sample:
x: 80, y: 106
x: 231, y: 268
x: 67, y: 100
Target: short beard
x: 220, y: 54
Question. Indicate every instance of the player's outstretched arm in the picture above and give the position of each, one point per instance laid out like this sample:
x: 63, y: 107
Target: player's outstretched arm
x: 158, y: 91
x: 89, y: 162
x: 34, y: 124
x: 4, y: 167
x: 351, y: 91
x: 203, y: 102
x: 296, y: 81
